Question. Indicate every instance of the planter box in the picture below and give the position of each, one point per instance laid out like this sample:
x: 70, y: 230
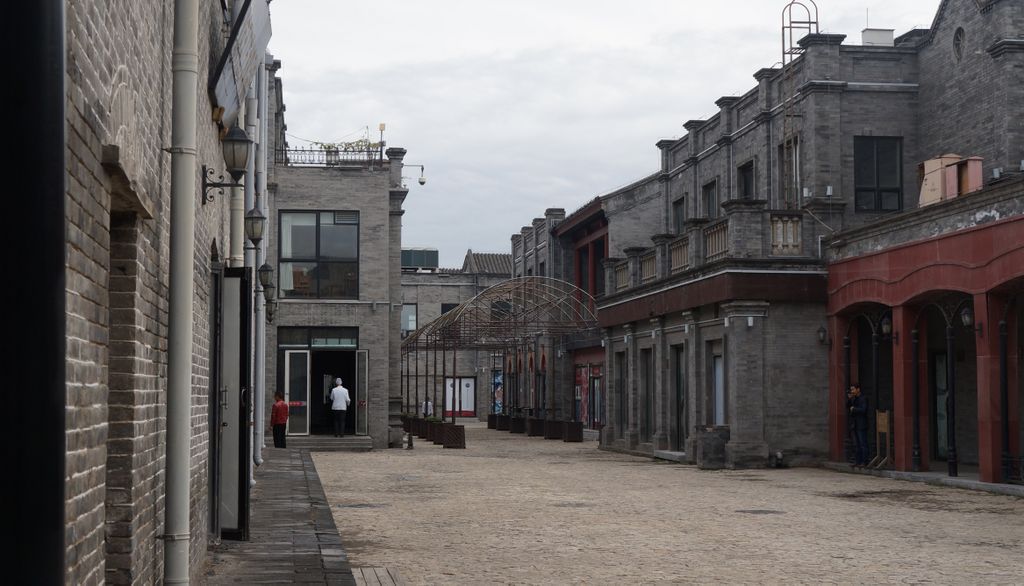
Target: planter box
x: 420, y: 428
x: 517, y: 425
x: 534, y: 427
x: 553, y: 429
x: 492, y: 421
x: 710, y: 446
x: 439, y: 431
x: 455, y: 436
x: 406, y: 423
x: 572, y: 431
x: 502, y: 422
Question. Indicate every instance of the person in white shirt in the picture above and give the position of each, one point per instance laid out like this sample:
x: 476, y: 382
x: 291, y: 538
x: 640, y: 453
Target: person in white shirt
x: 339, y: 405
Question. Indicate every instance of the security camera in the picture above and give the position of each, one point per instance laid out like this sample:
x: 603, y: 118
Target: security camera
x: 423, y: 180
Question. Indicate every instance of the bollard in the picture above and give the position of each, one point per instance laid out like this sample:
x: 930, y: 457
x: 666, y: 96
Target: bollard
x: 409, y: 447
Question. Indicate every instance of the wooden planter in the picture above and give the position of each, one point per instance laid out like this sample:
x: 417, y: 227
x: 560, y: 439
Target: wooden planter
x: 455, y: 436
x: 406, y: 423
x: 439, y: 431
x: 420, y: 428
x: 517, y: 425
x: 502, y: 422
x: 492, y: 421
x: 553, y: 429
x: 573, y: 431
x: 534, y: 427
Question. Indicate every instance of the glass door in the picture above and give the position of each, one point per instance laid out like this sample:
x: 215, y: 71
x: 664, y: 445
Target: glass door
x: 296, y: 390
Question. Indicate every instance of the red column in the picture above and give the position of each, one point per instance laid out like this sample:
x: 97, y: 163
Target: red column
x: 903, y: 364
x: 924, y: 376
x: 988, y: 310
x: 836, y: 388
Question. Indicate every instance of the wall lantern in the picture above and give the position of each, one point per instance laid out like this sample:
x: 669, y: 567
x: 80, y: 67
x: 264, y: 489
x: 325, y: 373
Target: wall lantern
x: 271, y: 308
x: 886, y: 326
x: 255, y: 225
x: 967, y: 318
x: 269, y: 293
x: 822, y: 334
x: 266, y: 275
x: 235, y: 146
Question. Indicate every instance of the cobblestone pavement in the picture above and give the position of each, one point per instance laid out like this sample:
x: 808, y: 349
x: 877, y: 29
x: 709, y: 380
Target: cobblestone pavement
x: 513, y: 509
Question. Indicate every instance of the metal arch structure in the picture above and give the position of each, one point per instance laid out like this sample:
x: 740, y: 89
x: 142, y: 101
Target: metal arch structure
x: 507, y: 319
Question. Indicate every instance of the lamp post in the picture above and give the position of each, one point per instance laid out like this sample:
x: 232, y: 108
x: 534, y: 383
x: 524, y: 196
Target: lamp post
x: 255, y: 226
x: 235, y: 147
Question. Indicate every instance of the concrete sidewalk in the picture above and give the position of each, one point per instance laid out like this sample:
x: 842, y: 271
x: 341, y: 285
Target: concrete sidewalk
x: 293, y: 538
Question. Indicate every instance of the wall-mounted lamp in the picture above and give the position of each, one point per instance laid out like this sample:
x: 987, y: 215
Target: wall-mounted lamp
x: 266, y: 275
x: 255, y: 226
x: 885, y: 327
x: 626, y: 338
x: 422, y: 179
x: 967, y: 318
x: 235, y: 146
x: 822, y: 335
x: 271, y: 309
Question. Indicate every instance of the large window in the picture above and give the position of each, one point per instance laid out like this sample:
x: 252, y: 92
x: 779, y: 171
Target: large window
x: 789, y: 172
x: 319, y: 255
x: 877, y: 171
x: 446, y: 307
x: 745, y: 180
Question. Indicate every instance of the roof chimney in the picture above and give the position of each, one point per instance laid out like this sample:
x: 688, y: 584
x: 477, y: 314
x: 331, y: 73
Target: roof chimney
x: 877, y: 37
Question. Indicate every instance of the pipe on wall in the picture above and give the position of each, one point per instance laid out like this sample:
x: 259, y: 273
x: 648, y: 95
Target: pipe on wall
x: 185, y: 80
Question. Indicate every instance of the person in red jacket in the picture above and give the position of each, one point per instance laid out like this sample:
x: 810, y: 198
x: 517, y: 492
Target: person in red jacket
x: 279, y: 419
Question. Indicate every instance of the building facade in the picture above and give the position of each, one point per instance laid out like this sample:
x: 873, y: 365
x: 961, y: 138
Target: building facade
x: 119, y: 77
x: 335, y: 245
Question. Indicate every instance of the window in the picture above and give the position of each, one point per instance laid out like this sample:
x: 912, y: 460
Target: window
x: 319, y: 255
x: 540, y: 270
x: 789, y: 171
x: 408, y: 318
x: 679, y: 214
x: 710, y: 197
x: 877, y: 171
x: 446, y: 307
x: 745, y: 180
x: 958, y: 44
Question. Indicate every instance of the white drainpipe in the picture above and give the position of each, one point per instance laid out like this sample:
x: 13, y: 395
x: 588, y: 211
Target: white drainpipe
x: 250, y: 261
x: 260, y: 184
x: 185, y: 79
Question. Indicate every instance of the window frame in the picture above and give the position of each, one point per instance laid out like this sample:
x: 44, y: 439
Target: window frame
x: 710, y: 203
x: 679, y: 215
x: 877, y: 188
x: 317, y: 258
x: 403, y: 331
x: 741, y: 172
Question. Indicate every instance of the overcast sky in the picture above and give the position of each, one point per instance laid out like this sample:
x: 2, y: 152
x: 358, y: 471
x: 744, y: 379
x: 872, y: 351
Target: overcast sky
x: 515, y: 106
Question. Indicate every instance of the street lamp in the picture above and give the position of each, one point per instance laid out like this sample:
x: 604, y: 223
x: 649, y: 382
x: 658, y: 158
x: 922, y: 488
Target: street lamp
x: 266, y: 275
x: 235, y: 147
x: 255, y: 225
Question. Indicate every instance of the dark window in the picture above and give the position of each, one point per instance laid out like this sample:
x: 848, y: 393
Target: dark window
x: 446, y: 307
x: 789, y: 171
x: 598, y: 267
x: 710, y: 197
x: 745, y: 178
x: 540, y: 270
x: 319, y: 255
x: 679, y: 214
x: 877, y: 172
x: 583, y: 269
x: 408, y: 318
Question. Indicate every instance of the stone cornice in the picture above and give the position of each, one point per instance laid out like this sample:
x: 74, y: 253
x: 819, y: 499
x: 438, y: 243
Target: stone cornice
x: 1004, y: 46
x: 742, y: 205
x: 821, y: 39
x: 821, y: 85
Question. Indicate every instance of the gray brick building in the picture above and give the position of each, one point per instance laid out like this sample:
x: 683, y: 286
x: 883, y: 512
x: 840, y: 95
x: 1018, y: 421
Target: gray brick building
x: 119, y: 81
x: 714, y: 299
x: 429, y: 292
x: 335, y: 242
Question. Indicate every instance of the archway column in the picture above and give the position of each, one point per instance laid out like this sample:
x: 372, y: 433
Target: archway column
x: 988, y: 311
x: 904, y: 366
x: 837, y: 326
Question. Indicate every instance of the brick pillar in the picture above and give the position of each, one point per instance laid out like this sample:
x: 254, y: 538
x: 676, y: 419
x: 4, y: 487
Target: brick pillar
x: 837, y: 420
x: 903, y: 364
x: 662, y: 403
x: 632, y: 433
x: 988, y: 310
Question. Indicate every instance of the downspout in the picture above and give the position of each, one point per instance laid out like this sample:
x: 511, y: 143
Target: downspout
x: 250, y: 261
x: 236, y: 235
x: 260, y: 184
x: 185, y: 79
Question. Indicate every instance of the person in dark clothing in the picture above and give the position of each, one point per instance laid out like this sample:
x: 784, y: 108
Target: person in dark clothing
x: 279, y: 419
x: 858, y: 406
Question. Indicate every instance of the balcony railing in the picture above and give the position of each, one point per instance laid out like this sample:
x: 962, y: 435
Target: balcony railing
x: 621, y: 276
x: 648, y: 268
x: 369, y: 157
x: 679, y: 255
x: 716, y: 240
x: 786, y: 236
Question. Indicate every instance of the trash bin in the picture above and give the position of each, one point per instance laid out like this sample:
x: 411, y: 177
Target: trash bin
x: 710, y: 446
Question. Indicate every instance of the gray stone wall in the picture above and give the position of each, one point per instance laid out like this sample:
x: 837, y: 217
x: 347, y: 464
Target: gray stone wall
x: 635, y: 213
x: 119, y: 88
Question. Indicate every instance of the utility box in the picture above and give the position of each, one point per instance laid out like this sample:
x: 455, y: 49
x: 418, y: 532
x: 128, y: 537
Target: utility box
x: 710, y: 446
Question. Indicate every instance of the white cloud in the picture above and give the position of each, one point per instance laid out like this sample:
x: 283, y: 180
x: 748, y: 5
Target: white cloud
x: 517, y: 106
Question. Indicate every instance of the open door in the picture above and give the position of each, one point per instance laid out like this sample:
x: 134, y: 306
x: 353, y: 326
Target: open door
x: 296, y: 391
x: 361, y: 400
x: 235, y: 463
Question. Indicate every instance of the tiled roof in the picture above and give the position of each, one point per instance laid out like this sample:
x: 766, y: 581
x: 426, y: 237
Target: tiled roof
x: 487, y: 263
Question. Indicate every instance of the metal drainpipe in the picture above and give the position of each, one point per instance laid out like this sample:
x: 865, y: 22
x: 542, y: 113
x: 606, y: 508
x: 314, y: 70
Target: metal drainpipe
x: 185, y: 79
x: 260, y: 183
x: 250, y: 261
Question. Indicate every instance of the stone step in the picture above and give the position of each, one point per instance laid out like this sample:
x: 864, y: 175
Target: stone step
x: 327, y: 443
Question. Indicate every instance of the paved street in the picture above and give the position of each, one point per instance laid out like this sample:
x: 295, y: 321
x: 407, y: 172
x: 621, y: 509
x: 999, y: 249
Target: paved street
x: 512, y: 509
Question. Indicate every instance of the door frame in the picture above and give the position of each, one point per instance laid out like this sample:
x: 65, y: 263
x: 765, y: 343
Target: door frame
x: 287, y: 387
